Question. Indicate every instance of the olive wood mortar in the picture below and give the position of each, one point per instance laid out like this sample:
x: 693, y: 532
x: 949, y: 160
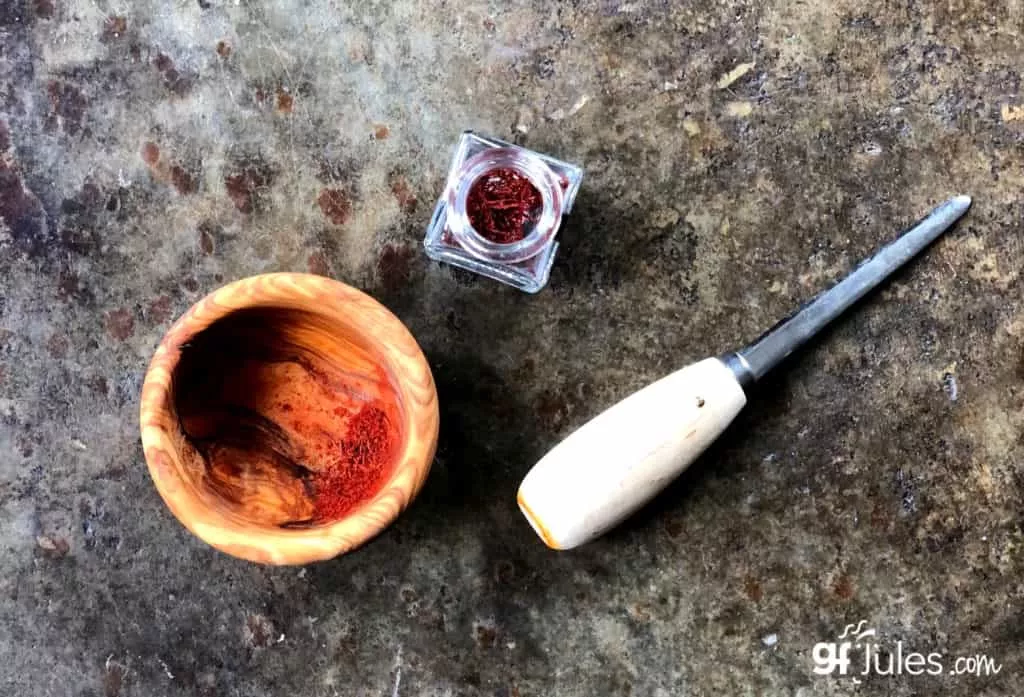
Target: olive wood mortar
x: 240, y: 397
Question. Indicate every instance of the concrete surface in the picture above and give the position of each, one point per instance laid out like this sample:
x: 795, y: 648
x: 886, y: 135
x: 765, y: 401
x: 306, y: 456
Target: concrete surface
x: 155, y: 149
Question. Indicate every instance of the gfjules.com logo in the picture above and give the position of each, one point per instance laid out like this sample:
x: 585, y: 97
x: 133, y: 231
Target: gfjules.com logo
x: 856, y: 652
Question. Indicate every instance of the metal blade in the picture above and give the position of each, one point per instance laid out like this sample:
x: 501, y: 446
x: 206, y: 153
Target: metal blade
x: 777, y: 343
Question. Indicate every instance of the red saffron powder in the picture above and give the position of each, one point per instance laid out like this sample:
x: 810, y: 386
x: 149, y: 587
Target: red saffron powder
x: 503, y: 205
x: 356, y: 466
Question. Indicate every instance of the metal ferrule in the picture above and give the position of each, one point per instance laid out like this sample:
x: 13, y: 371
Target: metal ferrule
x: 740, y: 369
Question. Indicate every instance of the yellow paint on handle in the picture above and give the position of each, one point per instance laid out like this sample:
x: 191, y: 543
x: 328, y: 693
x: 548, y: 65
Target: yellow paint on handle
x: 534, y: 521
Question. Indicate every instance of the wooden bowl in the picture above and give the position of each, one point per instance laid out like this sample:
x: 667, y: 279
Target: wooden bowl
x: 288, y: 418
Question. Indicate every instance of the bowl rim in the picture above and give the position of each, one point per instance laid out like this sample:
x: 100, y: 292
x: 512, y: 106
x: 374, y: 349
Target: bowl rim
x: 291, y: 546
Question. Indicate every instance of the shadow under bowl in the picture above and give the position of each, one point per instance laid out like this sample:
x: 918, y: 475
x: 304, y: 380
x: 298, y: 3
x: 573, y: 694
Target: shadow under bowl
x: 288, y: 418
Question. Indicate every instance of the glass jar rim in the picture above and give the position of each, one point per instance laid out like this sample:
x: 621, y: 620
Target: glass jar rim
x: 539, y: 175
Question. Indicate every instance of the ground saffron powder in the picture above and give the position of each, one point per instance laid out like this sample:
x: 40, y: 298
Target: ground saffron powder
x: 355, y: 466
x: 503, y: 206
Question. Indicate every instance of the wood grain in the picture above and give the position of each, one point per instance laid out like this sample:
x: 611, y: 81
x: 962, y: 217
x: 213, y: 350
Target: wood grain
x: 615, y: 463
x: 360, y: 335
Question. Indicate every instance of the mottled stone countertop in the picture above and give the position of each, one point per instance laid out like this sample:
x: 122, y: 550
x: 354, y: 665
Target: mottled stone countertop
x: 153, y: 150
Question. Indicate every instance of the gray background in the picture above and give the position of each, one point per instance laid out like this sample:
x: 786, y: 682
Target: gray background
x: 876, y: 477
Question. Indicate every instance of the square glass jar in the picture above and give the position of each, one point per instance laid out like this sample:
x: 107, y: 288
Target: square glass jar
x: 523, y: 263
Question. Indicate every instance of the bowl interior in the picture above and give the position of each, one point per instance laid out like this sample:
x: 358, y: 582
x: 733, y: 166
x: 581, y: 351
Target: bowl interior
x: 286, y: 418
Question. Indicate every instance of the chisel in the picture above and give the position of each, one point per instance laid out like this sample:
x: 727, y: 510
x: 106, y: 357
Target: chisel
x: 615, y: 463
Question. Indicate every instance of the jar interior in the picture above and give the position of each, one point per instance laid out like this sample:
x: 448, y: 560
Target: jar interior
x: 503, y: 205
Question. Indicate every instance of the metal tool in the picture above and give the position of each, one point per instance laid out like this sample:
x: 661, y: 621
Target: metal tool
x: 615, y: 463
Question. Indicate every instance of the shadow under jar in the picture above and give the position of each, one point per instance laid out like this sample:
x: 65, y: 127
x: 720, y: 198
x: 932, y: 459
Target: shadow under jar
x: 501, y: 211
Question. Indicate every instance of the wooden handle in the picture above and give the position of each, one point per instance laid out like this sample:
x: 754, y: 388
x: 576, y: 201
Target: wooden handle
x: 618, y: 461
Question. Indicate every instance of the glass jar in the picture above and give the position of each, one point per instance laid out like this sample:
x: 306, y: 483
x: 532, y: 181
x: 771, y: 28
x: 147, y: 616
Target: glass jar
x: 546, y: 189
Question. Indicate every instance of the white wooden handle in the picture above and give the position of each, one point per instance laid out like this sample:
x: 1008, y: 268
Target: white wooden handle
x: 618, y: 461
